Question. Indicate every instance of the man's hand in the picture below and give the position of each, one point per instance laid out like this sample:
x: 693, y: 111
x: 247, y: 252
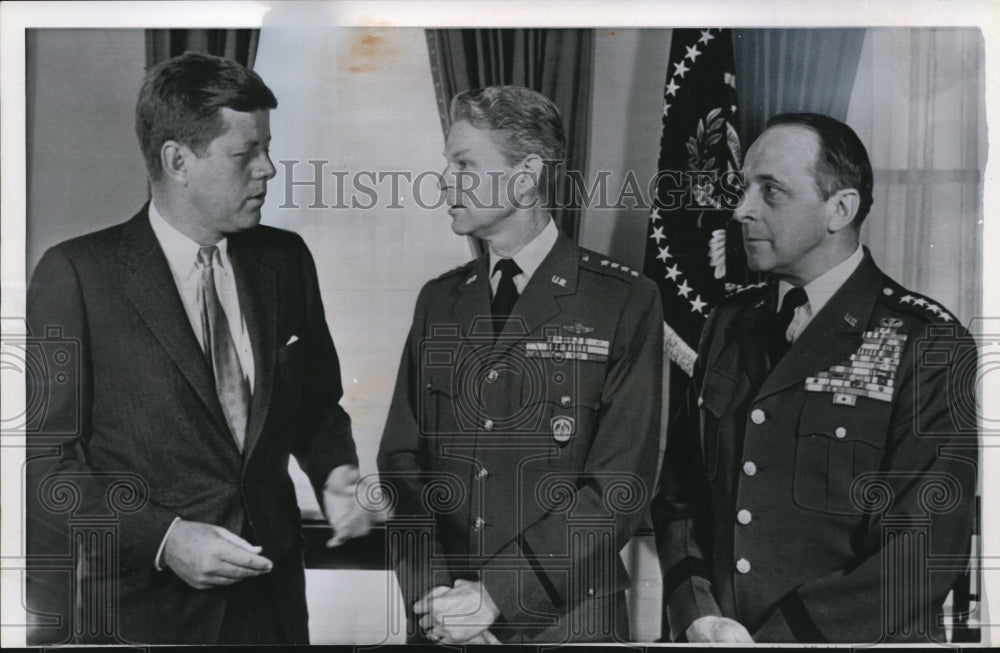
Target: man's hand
x: 205, y: 555
x: 457, y: 615
x: 717, y: 629
x: 346, y: 515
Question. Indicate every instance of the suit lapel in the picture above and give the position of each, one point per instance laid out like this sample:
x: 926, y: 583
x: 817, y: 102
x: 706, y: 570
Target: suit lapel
x: 153, y: 292
x: 833, y: 334
x: 257, y: 289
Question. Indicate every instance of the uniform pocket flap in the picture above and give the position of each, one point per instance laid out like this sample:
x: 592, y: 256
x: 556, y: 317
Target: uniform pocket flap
x: 864, y: 422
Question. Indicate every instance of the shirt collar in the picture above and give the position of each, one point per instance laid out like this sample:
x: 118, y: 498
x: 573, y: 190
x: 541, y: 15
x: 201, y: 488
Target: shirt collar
x: 822, y: 288
x: 181, y: 251
x: 529, y: 257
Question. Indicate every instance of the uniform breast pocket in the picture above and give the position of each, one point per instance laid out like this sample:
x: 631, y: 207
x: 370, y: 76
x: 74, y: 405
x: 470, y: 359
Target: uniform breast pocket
x: 716, y: 392
x: 566, y: 410
x: 834, y: 446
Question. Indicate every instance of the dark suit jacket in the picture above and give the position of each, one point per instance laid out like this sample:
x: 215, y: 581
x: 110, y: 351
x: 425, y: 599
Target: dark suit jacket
x: 140, y: 405
x: 473, y: 451
x: 812, y: 514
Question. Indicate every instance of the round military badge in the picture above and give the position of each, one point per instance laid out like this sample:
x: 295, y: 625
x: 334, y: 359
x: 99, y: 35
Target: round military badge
x: 891, y: 322
x: 563, y: 427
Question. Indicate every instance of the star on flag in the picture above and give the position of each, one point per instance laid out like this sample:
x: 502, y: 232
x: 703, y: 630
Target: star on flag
x: 664, y: 254
x: 697, y: 305
x: 680, y: 69
x: 692, y: 52
x: 673, y: 272
x: 658, y: 235
x: 654, y: 215
x: 666, y: 110
x: 684, y: 289
x: 705, y: 37
x: 672, y: 88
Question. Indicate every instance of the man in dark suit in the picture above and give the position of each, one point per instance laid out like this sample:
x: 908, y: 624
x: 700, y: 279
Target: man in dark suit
x: 521, y: 441
x: 202, y: 361
x: 820, y: 484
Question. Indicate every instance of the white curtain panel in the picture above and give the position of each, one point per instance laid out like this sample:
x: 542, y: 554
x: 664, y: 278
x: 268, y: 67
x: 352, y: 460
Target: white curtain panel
x: 919, y: 106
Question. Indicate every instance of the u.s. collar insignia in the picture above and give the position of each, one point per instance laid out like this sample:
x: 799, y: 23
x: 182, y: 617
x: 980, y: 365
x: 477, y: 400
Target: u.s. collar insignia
x: 578, y: 328
x: 471, y: 279
x: 559, y: 281
x: 563, y: 427
x: 850, y: 319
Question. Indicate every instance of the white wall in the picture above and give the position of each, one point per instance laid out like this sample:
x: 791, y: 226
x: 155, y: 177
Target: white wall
x: 630, y: 67
x: 84, y: 167
x: 360, y: 100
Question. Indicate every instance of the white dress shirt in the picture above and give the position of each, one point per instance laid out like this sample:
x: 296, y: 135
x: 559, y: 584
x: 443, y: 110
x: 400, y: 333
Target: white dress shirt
x: 182, y: 256
x: 528, y: 258
x: 819, y: 291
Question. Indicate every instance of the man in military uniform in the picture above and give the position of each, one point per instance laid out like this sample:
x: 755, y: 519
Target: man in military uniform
x: 523, y: 429
x: 824, y: 466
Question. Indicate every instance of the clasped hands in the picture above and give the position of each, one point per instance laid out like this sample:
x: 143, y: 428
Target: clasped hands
x: 461, y: 614
x: 205, y: 555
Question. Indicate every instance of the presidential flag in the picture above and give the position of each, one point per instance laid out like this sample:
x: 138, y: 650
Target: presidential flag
x: 692, y: 250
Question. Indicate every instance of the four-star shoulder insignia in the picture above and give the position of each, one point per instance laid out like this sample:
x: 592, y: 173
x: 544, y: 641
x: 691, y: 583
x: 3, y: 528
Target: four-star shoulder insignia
x: 733, y: 289
x: 918, y: 304
x: 609, y: 266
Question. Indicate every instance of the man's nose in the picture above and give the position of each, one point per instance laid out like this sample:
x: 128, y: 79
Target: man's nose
x: 446, y: 174
x: 746, y: 210
x: 265, y: 167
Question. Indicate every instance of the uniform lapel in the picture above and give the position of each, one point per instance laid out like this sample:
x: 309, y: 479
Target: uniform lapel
x: 555, y: 277
x: 833, y: 334
x: 257, y: 289
x: 153, y: 292
x: 472, y: 306
x: 750, y: 331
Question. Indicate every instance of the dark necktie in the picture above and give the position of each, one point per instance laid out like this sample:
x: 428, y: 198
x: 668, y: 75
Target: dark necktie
x: 793, y: 299
x: 506, y: 294
x: 230, y: 384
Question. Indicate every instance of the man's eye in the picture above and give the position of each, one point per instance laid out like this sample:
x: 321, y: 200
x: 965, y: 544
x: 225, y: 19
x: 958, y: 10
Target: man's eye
x: 771, y: 191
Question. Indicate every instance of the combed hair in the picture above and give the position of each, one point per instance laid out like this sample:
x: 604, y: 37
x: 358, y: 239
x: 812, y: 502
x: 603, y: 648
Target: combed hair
x: 842, y: 161
x: 181, y: 98
x: 528, y: 121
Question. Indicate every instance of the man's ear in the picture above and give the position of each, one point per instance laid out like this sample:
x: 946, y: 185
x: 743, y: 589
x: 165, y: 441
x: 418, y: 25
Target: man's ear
x: 174, y: 158
x: 841, y: 208
x: 529, y: 174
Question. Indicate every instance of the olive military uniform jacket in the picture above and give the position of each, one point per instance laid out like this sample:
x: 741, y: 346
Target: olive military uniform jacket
x: 828, y: 497
x: 527, y: 458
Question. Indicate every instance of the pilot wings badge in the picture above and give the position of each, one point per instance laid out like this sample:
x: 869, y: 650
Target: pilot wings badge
x: 578, y: 328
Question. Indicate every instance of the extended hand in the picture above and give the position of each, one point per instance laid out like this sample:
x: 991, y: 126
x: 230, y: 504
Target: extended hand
x: 346, y: 515
x: 457, y: 615
x: 205, y: 555
x: 717, y: 629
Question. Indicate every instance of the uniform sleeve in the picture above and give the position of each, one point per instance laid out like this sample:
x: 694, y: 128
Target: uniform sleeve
x: 681, y: 514
x: 623, y: 452
x: 325, y: 441
x: 920, y: 509
x: 404, y: 477
x: 59, y: 472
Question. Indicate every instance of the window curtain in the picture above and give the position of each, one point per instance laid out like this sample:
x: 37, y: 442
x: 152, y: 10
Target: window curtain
x: 923, y: 118
x: 236, y: 44
x: 554, y: 62
x: 780, y: 70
